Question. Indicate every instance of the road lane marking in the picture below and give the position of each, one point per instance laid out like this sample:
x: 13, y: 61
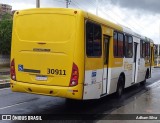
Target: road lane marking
x: 154, y: 84
x: 4, y: 89
x: 12, y: 105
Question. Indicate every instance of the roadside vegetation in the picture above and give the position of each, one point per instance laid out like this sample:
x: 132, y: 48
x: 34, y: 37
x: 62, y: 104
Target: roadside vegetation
x: 5, y: 34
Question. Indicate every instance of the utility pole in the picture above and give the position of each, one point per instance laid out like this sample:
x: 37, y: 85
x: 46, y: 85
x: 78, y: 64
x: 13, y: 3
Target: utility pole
x: 37, y: 3
x: 157, y: 55
x: 67, y: 3
x: 158, y: 49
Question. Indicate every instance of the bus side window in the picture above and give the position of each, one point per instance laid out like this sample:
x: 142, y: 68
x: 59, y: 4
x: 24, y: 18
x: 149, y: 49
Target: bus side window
x: 93, y: 39
x: 128, y: 46
x: 147, y: 50
x: 118, y: 44
x: 115, y: 44
x: 142, y: 48
x: 89, y: 38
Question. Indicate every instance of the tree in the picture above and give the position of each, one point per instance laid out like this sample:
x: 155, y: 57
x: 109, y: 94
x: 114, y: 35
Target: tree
x: 5, y: 34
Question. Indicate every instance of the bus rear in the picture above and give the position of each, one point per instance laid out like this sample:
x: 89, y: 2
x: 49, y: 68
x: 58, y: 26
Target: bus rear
x: 43, y: 58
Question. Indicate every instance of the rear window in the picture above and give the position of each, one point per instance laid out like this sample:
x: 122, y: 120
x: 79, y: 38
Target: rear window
x: 45, y: 27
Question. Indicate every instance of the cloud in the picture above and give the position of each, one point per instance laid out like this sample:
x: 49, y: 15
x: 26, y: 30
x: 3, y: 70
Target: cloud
x: 18, y: 1
x: 142, y: 16
x: 145, y: 5
x: 20, y: 4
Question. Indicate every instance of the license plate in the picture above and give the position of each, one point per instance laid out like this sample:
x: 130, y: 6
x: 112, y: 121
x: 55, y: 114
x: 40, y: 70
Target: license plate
x: 41, y: 78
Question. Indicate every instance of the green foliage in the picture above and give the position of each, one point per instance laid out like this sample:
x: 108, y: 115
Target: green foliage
x: 5, y: 34
x: 6, y: 16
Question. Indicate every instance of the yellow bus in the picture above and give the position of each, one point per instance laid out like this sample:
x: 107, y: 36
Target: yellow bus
x: 157, y: 55
x: 73, y: 54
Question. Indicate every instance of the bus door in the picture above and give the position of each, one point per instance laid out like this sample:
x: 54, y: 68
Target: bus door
x: 135, y: 67
x: 105, y: 68
x: 151, y: 61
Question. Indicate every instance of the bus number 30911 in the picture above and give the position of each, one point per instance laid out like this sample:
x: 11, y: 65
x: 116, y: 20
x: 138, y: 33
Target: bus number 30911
x: 56, y: 71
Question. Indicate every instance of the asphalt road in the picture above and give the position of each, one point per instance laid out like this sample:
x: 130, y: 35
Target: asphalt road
x: 23, y: 103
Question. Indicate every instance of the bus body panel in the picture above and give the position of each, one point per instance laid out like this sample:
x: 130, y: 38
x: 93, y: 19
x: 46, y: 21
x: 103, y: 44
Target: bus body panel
x: 59, y: 91
x: 95, y: 68
x: 93, y: 84
x: 45, y: 45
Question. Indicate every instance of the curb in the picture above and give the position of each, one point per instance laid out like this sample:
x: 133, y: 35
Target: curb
x: 5, y: 73
x: 4, y: 83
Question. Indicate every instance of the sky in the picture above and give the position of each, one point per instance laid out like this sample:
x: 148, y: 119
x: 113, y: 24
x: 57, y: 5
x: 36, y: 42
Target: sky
x: 142, y: 16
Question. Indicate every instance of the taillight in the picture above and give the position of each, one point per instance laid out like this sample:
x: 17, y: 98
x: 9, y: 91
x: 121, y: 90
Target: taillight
x: 12, y: 70
x: 74, y: 75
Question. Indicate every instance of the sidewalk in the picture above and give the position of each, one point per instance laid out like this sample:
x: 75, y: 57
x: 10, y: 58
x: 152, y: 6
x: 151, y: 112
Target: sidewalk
x: 4, y: 76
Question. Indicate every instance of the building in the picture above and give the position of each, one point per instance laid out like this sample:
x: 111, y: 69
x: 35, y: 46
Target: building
x: 5, y: 8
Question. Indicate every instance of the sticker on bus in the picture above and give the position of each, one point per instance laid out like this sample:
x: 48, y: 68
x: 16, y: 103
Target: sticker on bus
x: 94, y: 73
x: 20, y: 67
x: 41, y: 78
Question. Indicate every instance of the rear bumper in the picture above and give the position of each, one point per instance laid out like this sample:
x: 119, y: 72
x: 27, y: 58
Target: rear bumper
x: 58, y: 91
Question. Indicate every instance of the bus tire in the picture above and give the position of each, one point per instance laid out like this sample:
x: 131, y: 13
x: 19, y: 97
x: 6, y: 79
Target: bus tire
x: 120, y: 87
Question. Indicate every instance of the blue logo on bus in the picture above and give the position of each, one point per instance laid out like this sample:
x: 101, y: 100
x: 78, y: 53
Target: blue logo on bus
x: 20, y: 67
x: 94, y: 73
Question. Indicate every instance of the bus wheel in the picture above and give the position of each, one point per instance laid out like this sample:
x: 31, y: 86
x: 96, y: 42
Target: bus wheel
x: 120, y: 87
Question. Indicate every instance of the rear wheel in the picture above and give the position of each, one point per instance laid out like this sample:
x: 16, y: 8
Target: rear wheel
x: 120, y: 87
